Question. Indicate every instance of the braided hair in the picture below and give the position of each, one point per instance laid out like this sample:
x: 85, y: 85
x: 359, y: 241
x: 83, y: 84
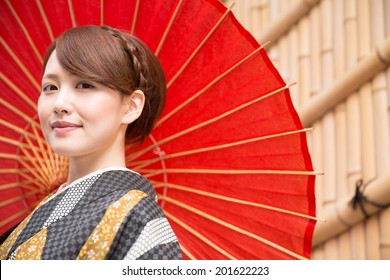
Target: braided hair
x: 119, y: 61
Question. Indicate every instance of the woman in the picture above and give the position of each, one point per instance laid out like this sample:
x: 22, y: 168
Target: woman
x: 100, y: 88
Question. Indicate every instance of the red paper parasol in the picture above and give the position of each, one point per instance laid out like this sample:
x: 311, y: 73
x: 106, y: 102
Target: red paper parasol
x: 228, y: 157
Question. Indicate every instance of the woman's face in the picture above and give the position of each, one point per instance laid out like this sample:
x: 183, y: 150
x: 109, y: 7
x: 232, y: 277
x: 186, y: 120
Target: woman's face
x: 79, y: 117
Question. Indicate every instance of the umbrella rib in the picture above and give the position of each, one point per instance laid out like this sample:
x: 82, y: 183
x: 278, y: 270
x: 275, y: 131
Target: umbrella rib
x: 207, y: 87
x: 38, y: 164
x: 40, y: 188
x: 186, y: 252
x: 18, y: 91
x: 20, y: 64
x: 10, y: 156
x: 16, y: 128
x: 153, y: 172
x: 199, y: 47
x: 17, y: 111
x: 233, y: 227
x: 32, y: 170
x: 18, y: 198
x: 141, y: 164
x: 235, y: 200
x: 208, y: 122
x: 10, y: 200
x: 46, y: 166
x: 171, y: 20
x: 8, y: 171
x: 200, y: 236
x: 24, y: 185
x: 136, y: 10
x: 25, y: 176
x: 13, y: 142
x: 45, y: 20
x: 101, y: 12
x: 13, y: 217
x: 71, y: 12
x: 24, y: 31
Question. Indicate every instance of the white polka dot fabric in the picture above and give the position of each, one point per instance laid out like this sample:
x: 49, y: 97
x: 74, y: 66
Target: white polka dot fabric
x: 70, y: 199
x: 156, y: 232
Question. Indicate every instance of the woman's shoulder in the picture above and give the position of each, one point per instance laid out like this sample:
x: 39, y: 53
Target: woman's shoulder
x: 123, y: 178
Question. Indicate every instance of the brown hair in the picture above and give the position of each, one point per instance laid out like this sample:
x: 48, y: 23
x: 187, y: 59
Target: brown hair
x: 119, y: 61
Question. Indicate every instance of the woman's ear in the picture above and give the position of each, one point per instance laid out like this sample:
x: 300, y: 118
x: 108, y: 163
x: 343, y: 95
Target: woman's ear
x: 134, y: 104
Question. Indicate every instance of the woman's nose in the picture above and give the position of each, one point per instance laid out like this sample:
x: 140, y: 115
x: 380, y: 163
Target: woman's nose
x: 63, y: 103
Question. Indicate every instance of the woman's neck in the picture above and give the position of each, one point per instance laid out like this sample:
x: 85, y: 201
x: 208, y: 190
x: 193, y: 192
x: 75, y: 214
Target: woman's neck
x: 82, y: 166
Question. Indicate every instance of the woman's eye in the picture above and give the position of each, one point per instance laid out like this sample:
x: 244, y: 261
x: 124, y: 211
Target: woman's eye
x: 49, y: 88
x: 84, y: 86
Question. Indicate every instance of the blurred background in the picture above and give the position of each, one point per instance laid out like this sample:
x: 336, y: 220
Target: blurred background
x: 338, y: 53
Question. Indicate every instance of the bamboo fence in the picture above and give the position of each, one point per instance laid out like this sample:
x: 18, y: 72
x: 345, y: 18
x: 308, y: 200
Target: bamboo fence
x: 338, y: 51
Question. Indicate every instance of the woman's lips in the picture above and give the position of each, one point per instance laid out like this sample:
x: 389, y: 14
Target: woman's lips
x: 63, y: 127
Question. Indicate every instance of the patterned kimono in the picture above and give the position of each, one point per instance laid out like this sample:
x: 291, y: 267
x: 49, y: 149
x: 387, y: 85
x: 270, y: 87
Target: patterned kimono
x: 108, y: 214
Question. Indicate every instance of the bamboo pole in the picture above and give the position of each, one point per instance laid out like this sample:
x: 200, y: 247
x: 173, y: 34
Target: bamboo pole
x: 338, y: 47
x: 293, y: 65
x: 315, y: 55
x: 344, y: 245
x: 329, y: 158
x: 341, y: 151
x: 304, y: 76
x: 318, y: 161
x: 380, y: 20
x: 371, y: 229
x: 261, y: 18
x: 286, y: 20
x: 329, y: 126
x: 342, y: 216
x: 361, y: 73
x: 385, y: 234
x: 338, y: 38
x: 373, y: 238
x: 382, y: 124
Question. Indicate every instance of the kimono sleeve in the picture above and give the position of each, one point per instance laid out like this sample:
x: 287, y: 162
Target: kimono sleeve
x: 145, y: 234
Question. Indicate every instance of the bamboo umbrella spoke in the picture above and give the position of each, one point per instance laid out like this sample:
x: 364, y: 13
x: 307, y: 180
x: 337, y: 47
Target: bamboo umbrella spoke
x: 39, y: 162
x: 168, y: 29
x: 71, y: 12
x: 200, y: 46
x: 33, y: 164
x: 18, y: 112
x: 136, y: 10
x: 140, y: 164
x: 20, y: 64
x: 208, y: 86
x: 13, y: 217
x: 153, y: 172
x: 24, y: 29
x: 206, y: 123
x: 15, y: 128
x: 186, y: 252
x: 18, y: 91
x: 13, y: 142
x: 22, y: 184
x: 231, y: 227
x: 45, y: 20
x: 198, y: 235
x: 230, y: 199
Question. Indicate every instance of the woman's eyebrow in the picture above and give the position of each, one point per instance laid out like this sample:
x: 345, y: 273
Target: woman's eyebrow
x: 50, y: 76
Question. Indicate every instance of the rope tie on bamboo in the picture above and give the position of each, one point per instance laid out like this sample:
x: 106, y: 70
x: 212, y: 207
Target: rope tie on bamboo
x: 161, y: 154
x: 360, y: 199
